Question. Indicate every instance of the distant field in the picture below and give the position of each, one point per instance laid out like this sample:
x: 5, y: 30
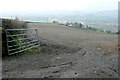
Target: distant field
x: 45, y: 22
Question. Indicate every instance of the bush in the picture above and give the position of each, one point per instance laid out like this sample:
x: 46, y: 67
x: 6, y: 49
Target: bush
x: 108, y: 31
x: 55, y: 22
x: 10, y: 24
x: 118, y: 32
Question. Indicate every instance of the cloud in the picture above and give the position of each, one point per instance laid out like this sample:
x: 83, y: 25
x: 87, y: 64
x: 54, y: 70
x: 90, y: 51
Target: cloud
x: 25, y: 6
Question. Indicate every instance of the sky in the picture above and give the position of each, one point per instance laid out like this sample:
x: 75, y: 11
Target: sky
x: 37, y: 6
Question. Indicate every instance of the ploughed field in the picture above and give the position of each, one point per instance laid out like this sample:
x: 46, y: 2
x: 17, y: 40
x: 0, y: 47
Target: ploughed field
x: 67, y: 53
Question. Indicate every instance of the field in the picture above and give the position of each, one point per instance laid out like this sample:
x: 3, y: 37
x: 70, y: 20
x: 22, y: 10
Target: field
x: 67, y: 53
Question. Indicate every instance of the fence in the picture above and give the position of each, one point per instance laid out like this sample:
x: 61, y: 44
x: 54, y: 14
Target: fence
x: 19, y: 40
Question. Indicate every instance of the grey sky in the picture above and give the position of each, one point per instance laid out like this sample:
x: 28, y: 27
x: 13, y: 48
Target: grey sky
x: 41, y: 6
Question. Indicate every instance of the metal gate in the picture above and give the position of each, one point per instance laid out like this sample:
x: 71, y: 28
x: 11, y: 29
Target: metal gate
x: 19, y: 40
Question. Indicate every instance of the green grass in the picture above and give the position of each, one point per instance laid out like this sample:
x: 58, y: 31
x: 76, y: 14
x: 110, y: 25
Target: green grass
x: 97, y: 30
x: 47, y: 23
x: 30, y: 51
x: 34, y: 50
x: 43, y: 22
x: 18, y: 42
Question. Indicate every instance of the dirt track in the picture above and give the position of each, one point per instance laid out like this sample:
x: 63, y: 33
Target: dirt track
x: 68, y: 53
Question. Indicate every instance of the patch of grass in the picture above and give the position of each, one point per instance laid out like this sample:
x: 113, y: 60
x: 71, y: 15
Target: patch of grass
x: 38, y: 49
x: 47, y: 23
x: 98, y: 30
x: 34, y: 50
x: 17, y: 43
x: 42, y: 22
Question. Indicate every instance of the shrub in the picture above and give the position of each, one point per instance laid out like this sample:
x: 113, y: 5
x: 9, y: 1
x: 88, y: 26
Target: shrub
x: 118, y: 32
x: 10, y: 24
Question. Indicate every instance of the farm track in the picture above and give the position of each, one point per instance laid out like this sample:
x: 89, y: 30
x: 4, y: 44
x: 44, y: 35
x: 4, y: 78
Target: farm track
x: 67, y: 53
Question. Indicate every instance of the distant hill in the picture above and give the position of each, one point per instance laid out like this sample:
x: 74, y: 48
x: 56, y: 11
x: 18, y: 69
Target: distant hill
x: 101, y: 16
x: 101, y: 19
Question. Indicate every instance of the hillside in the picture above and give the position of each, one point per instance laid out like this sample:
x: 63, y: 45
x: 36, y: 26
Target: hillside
x: 68, y: 53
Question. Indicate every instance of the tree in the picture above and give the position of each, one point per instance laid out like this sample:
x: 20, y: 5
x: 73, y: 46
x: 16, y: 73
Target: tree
x: 118, y: 32
x: 81, y: 25
x: 67, y: 23
x: 55, y: 21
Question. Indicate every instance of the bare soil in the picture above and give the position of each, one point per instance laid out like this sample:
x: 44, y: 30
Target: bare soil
x: 67, y: 53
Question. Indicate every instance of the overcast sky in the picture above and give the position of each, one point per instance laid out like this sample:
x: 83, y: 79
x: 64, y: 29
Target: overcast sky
x: 37, y: 6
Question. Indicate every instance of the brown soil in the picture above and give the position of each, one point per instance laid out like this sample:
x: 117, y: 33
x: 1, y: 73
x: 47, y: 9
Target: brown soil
x: 68, y: 53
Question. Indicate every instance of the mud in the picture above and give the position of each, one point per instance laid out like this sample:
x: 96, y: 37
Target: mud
x: 67, y: 53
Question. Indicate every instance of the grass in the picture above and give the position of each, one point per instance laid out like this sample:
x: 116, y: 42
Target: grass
x: 47, y: 23
x: 97, y: 30
x: 42, y: 22
x: 34, y: 50
x: 30, y: 51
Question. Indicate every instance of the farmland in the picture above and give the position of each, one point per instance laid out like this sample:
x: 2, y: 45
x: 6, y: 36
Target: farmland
x: 67, y: 53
